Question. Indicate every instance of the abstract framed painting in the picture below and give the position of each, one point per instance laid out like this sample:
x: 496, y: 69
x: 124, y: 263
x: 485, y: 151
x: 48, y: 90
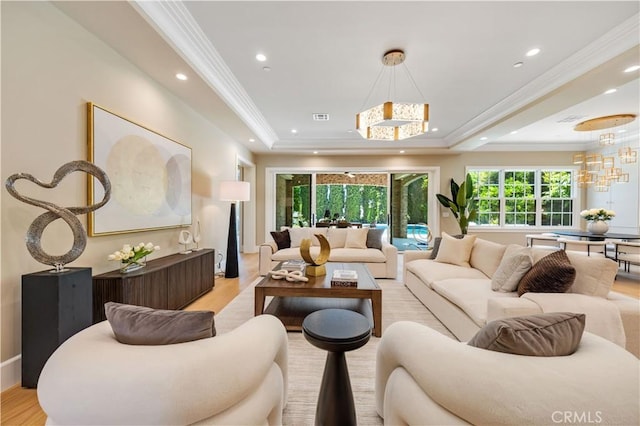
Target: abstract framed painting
x: 150, y: 176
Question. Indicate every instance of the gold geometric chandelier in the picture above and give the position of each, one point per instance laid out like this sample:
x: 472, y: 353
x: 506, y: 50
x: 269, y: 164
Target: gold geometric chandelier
x: 593, y: 164
x: 392, y: 121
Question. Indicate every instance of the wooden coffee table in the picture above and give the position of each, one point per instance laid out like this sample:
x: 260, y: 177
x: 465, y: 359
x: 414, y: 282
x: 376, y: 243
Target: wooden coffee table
x: 293, y: 301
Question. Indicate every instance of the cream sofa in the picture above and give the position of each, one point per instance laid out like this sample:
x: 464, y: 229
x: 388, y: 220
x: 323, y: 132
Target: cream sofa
x: 462, y: 299
x: 382, y: 263
x: 426, y: 378
x: 238, y: 377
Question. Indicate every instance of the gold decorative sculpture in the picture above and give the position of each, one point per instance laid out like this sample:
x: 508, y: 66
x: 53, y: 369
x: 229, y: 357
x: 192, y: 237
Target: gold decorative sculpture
x: 315, y: 267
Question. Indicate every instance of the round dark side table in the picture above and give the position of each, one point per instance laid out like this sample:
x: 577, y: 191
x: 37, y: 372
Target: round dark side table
x: 336, y: 331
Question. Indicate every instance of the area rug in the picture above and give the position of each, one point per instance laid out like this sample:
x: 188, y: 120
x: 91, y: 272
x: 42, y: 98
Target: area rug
x: 306, y: 362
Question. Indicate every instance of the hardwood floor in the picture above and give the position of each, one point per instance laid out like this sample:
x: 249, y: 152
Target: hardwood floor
x: 20, y: 406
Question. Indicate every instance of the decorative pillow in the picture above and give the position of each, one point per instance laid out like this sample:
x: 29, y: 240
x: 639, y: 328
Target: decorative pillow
x: 436, y: 247
x: 436, y: 244
x: 139, y: 325
x: 282, y: 239
x: 515, y: 263
x: 374, y: 238
x: 455, y: 251
x: 551, y: 334
x: 299, y: 234
x: 551, y: 274
x: 356, y: 238
x: 336, y: 237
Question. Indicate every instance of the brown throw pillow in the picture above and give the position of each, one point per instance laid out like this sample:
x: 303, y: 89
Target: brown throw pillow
x: 551, y: 274
x: 551, y: 334
x: 139, y: 325
x: 282, y: 239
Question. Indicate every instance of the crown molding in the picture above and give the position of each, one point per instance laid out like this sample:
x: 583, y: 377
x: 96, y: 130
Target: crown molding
x: 176, y: 25
x: 622, y: 38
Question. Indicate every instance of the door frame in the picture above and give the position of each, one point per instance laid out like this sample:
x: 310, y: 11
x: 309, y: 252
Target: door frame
x: 270, y: 189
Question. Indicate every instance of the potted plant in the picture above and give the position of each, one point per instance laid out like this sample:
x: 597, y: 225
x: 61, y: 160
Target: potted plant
x: 461, y: 202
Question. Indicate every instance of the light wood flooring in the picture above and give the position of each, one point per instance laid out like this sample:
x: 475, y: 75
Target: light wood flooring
x: 20, y: 406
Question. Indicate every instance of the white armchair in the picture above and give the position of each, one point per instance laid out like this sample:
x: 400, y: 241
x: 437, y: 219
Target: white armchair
x: 238, y: 377
x: 426, y: 378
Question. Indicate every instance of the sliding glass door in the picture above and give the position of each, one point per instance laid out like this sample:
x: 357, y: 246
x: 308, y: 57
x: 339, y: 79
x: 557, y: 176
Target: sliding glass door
x: 400, y: 202
x: 293, y: 200
x: 410, y: 211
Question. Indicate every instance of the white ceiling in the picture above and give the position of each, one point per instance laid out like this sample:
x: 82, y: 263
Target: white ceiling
x: 325, y: 56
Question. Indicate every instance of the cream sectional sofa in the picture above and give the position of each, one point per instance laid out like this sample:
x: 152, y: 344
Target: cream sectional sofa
x: 347, y: 245
x: 462, y: 299
x: 426, y: 378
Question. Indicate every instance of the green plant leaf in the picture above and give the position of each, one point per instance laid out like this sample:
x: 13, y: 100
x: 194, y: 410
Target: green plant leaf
x: 469, y: 186
x: 454, y: 189
x: 443, y: 200
x: 462, y: 197
x: 473, y: 215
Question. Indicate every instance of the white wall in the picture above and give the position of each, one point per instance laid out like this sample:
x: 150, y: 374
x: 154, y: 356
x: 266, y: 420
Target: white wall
x: 51, y: 67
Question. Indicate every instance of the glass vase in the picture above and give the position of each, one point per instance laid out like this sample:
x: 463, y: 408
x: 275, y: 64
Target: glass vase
x: 133, y: 266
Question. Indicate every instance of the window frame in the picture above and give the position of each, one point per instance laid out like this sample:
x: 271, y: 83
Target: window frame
x: 502, y: 226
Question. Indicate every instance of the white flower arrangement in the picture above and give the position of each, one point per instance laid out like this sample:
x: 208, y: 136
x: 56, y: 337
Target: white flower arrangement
x: 132, y: 254
x: 597, y: 214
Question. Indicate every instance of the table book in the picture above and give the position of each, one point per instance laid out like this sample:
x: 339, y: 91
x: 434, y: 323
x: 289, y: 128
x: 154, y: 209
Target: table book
x: 344, y: 278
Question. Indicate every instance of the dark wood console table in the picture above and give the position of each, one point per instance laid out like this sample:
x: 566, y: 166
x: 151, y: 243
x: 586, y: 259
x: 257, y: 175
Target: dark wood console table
x: 170, y: 282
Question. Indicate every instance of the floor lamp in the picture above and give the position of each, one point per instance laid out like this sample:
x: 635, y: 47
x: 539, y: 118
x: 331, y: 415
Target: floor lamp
x: 233, y: 191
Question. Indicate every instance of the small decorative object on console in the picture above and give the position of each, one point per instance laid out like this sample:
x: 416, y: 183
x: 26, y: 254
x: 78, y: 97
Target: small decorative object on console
x: 344, y: 278
x: 185, y: 239
x: 133, y: 257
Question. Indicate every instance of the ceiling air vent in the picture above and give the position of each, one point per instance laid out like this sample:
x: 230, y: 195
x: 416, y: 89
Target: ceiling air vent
x: 320, y: 117
x: 571, y: 118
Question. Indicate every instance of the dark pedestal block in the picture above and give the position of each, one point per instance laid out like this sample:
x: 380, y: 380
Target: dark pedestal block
x: 55, y: 306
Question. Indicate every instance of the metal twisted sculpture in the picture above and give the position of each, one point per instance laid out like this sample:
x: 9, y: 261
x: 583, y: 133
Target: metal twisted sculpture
x: 54, y: 212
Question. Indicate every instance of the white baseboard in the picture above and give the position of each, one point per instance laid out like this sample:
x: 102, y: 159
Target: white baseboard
x: 10, y: 372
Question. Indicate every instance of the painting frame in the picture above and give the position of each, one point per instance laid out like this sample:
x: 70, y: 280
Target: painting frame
x: 150, y: 176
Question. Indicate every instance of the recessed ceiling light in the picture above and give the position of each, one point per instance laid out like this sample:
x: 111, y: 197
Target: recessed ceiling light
x: 533, y: 52
x: 260, y: 57
x: 484, y: 138
x: 402, y: 152
x: 518, y: 64
x: 252, y: 140
x: 632, y: 68
x: 294, y: 131
x: 315, y: 152
x: 610, y: 91
x: 513, y: 132
x: 181, y: 76
x: 435, y: 129
x: 622, y: 130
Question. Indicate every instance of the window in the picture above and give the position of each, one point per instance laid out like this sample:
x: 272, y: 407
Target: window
x: 524, y: 197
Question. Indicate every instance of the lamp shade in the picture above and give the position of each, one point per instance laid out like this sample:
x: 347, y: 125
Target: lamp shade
x: 233, y: 190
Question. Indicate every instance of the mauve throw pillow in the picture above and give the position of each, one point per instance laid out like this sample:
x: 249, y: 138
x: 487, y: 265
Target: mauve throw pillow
x: 374, y: 238
x: 139, y: 325
x: 550, y: 334
x: 551, y: 274
x: 282, y: 239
